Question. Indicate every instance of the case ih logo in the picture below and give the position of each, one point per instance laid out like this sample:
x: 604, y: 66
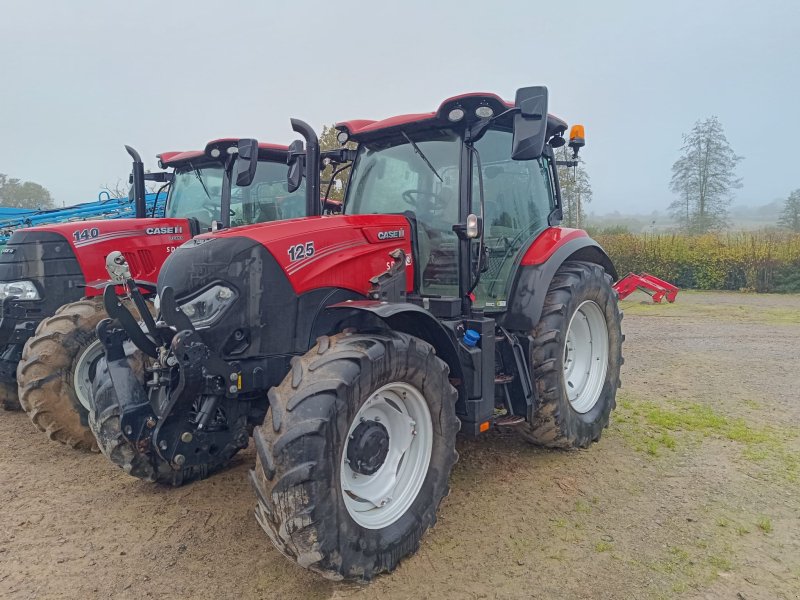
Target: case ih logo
x: 163, y: 230
x: 394, y: 234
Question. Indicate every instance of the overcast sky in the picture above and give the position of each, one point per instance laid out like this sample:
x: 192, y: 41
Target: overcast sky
x: 82, y: 78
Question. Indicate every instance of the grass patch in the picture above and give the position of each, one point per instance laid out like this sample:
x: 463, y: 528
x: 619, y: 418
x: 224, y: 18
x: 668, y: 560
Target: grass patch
x: 765, y: 524
x: 651, y: 427
x: 603, y: 546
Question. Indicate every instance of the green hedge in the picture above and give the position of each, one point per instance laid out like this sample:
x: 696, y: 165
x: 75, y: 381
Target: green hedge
x: 758, y: 261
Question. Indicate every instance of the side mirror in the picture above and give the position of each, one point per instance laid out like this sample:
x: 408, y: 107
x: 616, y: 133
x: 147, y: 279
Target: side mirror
x: 246, y: 162
x: 530, y: 123
x: 296, y: 167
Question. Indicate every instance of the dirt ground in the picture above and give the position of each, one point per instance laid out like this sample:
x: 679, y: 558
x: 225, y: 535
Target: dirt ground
x: 691, y: 493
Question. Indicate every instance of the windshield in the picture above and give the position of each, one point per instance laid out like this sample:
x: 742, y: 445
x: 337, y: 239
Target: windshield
x: 417, y: 173
x: 196, y: 193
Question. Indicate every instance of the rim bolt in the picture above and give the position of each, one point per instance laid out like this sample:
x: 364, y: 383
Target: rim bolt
x: 163, y: 444
x: 413, y: 432
x: 377, y: 419
x: 361, y: 419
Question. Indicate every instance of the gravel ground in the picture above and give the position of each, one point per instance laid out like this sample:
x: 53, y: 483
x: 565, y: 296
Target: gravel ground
x: 691, y: 493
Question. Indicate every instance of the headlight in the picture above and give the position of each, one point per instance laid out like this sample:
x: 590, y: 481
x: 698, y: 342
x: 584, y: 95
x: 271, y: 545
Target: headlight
x: 206, y: 308
x: 22, y: 290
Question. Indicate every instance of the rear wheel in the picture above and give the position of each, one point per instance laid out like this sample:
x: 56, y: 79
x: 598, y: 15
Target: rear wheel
x: 355, y: 453
x: 576, y: 358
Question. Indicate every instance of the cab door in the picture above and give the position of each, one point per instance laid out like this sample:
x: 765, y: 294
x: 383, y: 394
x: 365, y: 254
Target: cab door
x: 518, y: 199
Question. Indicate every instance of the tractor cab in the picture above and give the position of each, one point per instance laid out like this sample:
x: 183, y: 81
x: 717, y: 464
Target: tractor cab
x: 197, y: 187
x: 452, y: 166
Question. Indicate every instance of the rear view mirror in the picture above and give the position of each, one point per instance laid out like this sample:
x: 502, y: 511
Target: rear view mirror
x: 530, y: 123
x: 296, y: 167
x: 246, y: 162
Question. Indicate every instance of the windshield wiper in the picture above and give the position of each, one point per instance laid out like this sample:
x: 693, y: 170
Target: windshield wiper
x: 422, y: 156
x: 200, y: 179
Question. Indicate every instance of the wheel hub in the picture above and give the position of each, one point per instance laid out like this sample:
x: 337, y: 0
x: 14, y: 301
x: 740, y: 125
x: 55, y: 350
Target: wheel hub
x: 368, y: 447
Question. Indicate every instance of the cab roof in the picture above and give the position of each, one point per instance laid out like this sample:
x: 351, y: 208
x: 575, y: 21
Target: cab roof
x: 266, y: 151
x: 364, y: 129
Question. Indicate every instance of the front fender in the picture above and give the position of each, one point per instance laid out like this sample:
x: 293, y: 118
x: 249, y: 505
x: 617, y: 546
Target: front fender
x: 413, y: 320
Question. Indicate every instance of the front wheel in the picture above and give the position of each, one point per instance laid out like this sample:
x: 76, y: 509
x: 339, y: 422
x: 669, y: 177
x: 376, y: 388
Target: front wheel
x: 55, y: 372
x: 355, y: 453
x: 576, y: 358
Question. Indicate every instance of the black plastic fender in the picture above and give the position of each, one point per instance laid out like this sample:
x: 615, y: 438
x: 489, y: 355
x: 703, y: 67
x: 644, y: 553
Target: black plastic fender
x: 532, y: 282
x: 413, y: 320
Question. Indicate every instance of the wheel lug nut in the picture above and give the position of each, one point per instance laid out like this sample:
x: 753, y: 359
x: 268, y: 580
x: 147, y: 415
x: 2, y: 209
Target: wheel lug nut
x: 128, y: 430
x: 186, y: 437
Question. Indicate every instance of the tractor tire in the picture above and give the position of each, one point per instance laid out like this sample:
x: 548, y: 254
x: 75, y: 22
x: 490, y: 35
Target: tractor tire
x: 104, y: 422
x: 576, y: 357
x: 334, y: 410
x: 9, y: 396
x: 56, y: 369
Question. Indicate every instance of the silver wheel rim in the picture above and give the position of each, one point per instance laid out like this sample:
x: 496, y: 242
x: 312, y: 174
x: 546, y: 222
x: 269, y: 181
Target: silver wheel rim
x: 586, y: 356
x: 81, y: 380
x: 376, y: 501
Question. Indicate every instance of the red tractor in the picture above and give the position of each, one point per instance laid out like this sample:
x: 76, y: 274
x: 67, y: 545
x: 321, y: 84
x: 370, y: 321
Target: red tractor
x: 48, y: 336
x: 444, y: 299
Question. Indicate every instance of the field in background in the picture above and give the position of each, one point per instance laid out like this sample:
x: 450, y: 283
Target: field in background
x: 752, y: 261
x: 691, y: 493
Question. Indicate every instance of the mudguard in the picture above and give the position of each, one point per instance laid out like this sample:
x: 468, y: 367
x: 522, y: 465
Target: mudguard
x: 413, y: 320
x: 533, y: 280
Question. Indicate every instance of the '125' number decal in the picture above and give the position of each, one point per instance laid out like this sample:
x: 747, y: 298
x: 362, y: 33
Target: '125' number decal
x: 299, y: 251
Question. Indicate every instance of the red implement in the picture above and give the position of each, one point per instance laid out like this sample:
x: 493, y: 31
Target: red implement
x: 649, y: 284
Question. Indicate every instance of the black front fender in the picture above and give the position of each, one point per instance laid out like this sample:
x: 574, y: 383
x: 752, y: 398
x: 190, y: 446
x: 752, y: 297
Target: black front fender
x: 413, y: 320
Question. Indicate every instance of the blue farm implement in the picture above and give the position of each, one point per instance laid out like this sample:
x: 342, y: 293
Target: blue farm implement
x: 105, y: 207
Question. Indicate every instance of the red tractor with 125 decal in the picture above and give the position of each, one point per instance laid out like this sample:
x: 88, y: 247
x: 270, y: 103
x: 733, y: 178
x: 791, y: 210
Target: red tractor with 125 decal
x: 445, y: 298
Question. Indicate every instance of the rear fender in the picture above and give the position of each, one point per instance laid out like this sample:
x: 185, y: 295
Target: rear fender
x: 532, y: 281
x: 411, y: 319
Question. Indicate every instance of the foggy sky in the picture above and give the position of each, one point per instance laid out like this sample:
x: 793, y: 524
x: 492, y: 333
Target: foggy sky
x: 80, y: 79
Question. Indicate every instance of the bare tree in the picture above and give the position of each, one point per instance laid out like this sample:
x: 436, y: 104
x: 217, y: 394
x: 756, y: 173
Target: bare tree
x: 576, y: 190
x: 790, y: 217
x: 121, y: 189
x: 704, y: 177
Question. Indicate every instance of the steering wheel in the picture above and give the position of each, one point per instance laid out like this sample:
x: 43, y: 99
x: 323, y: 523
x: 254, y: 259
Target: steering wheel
x: 435, y: 203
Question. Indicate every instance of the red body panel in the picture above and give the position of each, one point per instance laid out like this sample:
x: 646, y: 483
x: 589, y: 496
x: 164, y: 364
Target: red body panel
x: 348, y: 250
x: 550, y: 240
x: 146, y: 244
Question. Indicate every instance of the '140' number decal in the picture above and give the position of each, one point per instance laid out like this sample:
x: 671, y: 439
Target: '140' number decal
x: 299, y: 251
x: 85, y: 234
